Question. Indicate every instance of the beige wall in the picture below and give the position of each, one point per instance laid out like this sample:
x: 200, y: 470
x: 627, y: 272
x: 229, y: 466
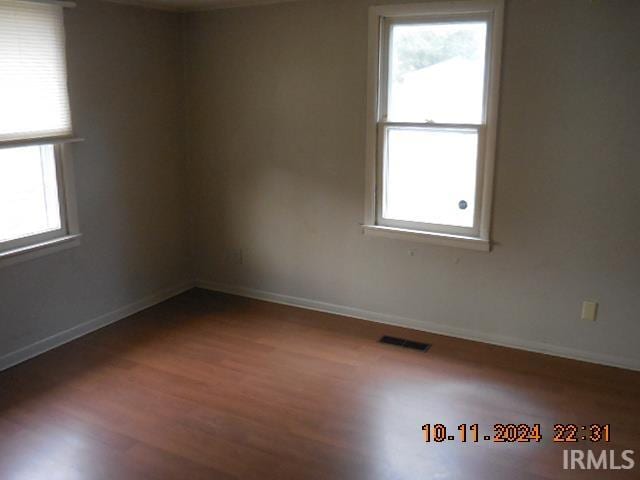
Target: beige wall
x: 126, y: 91
x: 276, y: 128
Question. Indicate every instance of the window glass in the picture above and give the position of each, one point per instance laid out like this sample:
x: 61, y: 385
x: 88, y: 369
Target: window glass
x: 29, y: 202
x: 430, y: 176
x: 436, y: 72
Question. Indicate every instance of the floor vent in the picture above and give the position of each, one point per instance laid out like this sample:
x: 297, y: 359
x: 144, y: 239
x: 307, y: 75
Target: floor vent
x: 401, y: 342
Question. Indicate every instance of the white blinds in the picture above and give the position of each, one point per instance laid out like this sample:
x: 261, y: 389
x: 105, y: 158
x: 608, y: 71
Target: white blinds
x: 33, y: 76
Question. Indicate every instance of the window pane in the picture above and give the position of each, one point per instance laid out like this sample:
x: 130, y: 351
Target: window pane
x: 28, y: 192
x: 431, y: 176
x: 437, y: 72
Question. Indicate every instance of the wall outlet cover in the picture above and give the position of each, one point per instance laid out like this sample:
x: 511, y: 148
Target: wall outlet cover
x: 589, y: 310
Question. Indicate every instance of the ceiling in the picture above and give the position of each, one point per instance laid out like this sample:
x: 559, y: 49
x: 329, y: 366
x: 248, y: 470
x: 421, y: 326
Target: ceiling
x: 197, y: 4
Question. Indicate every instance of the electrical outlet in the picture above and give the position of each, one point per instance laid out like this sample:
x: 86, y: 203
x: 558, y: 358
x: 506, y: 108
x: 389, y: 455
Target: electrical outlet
x: 589, y: 310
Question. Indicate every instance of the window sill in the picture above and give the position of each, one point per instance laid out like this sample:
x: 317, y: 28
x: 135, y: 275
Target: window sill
x: 471, y: 243
x: 22, y: 254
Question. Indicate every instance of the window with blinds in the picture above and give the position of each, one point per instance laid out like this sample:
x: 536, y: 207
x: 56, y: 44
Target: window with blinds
x: 34, y: 121
x: 33, y: 76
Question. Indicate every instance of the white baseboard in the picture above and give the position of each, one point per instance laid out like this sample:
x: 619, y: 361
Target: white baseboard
x: 60, y: 338
x: 425, y: 326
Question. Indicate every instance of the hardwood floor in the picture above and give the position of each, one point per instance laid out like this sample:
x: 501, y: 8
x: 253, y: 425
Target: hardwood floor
x: 219, y: 387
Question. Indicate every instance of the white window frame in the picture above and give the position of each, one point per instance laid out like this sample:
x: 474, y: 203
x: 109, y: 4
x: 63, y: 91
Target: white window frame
x: 381, y: 20
x: 68, y: 235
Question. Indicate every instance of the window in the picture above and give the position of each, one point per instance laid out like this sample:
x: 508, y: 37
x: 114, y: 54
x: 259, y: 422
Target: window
x: 433, y: 97
x: 35, y: 124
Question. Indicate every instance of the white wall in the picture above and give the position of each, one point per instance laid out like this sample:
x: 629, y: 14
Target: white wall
x: 276, y: 125
x: 126, y: 90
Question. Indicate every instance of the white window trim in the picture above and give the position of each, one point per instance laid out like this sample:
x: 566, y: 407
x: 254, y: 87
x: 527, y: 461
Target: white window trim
x: 68, y: 235
x: 489, y: 8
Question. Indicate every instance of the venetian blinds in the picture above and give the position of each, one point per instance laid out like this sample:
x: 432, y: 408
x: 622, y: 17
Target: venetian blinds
x: 34, y: 103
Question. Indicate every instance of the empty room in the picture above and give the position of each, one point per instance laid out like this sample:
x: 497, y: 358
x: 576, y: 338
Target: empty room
x: 319, y: 239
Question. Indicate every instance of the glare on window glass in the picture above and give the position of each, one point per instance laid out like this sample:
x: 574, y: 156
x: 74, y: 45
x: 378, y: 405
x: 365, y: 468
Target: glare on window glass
x: 28, y: 192
x: 437, y: 72
x: 430, y: 176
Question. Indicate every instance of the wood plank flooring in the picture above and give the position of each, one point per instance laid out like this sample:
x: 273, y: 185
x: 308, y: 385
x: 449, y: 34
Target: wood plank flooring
x: 214, y: 386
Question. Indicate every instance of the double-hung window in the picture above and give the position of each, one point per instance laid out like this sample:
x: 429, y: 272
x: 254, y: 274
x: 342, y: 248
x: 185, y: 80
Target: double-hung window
x: 36, y: 208
x: 433, y: 99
